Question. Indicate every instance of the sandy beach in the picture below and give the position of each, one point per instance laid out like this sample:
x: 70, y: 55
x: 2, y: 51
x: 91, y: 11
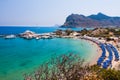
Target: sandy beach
x: 115, y: 64
x: 98, y: 53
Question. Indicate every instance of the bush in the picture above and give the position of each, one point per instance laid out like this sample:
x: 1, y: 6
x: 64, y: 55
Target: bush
x: 71, y: 67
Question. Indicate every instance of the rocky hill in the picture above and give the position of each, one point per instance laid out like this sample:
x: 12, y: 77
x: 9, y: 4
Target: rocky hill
x: 99, y: 20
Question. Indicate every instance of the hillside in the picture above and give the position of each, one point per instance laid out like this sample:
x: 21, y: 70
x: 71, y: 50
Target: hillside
x: 98, y: 20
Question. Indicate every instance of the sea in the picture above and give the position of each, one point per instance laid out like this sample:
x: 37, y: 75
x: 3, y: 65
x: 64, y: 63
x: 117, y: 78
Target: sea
x: 20, y: 56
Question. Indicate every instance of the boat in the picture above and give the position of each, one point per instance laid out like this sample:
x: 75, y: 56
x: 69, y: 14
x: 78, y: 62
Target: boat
x: 9, y: 36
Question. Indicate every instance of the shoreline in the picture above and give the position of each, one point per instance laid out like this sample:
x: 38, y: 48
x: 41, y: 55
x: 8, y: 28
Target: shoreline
x: 98, y: 53
x: 36, y: 48
x: 93, y: 40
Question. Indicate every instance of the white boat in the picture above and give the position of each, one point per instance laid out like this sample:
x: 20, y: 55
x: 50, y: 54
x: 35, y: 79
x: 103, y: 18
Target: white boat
x: 38, y: 38
x: 10, y: 36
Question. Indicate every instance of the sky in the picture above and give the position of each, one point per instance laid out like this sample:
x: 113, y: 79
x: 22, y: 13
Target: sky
x: 51, y: 12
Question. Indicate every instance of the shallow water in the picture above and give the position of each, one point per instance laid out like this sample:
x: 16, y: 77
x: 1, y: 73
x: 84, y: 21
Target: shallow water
x: 19, y: 56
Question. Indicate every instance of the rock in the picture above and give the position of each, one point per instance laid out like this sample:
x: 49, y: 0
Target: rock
x: 28, y: 35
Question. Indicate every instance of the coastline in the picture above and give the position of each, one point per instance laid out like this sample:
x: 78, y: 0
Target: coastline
x: 98, y: 53
x: 69, y: 34
x: 114, y: 64
x: 92, y: 55
x: 32, y: 35
x: 32, y: 50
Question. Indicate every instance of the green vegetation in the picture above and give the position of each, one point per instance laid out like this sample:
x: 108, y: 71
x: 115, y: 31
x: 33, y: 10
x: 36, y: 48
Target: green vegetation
x: 84, y: 32
x: 101, y: 32
x: 68, y: 31
x: 97, y: 32
x: 72, y: 67
x: 59, y: 32
x: 116, y: 31
x: 106, y: 74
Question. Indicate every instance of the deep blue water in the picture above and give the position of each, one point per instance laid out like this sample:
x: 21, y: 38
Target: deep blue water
x: 18, y: 29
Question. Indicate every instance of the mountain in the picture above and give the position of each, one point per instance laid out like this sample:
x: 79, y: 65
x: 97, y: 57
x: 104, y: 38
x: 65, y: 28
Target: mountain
x: 99, y: 16
x: 98, y: 20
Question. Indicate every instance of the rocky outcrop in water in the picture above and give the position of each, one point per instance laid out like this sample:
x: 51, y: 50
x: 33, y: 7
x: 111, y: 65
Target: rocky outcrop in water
x: 32, y: 35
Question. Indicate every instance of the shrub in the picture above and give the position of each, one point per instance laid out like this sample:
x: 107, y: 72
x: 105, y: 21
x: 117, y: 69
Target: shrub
x: 71, y: 67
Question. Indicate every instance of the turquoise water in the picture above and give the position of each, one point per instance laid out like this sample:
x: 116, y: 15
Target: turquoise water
x: 19, y: 56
